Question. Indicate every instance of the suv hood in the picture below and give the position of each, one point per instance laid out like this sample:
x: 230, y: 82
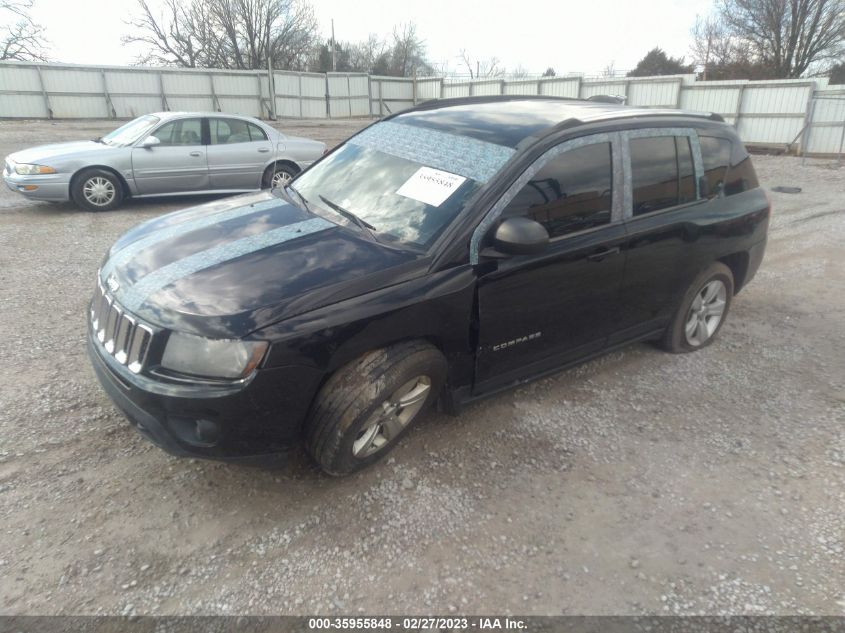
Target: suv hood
x: 43, y: 153
x: 233, y: 266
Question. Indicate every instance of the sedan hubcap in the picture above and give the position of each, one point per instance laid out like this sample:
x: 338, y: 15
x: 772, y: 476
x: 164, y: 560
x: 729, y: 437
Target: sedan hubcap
x: 98, y: 191
x: 706, y: 313
x: 391, y: 417
x: 281, y: 178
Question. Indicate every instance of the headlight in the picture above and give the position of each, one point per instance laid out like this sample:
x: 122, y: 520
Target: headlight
x: 213, y: 358
x: 33, y: 170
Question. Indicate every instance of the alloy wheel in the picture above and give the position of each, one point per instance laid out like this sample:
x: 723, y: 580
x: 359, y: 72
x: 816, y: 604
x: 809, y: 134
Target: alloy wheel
x: 706, y: 312
x: 391, y: 417
x: 280, y: 179
x: 99, y: 191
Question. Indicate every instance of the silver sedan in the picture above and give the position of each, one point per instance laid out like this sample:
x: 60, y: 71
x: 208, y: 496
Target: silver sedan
x: 162, y: 154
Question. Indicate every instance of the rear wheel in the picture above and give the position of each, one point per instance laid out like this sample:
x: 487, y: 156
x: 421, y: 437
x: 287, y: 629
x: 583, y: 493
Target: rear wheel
x: 278, y: 176
x: 702, y: 311
x: 97, y: 190
x: 366, y: 406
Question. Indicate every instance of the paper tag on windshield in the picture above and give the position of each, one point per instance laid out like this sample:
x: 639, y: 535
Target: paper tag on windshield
x: 431, y: 186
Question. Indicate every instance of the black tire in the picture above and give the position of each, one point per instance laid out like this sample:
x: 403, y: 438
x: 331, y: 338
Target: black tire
x: 675, y: 339
x: 346, y: 406
x: 78, y: 185
x: 267, y: 179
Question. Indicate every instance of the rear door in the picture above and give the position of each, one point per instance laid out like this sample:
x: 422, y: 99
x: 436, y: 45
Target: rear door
x: 177, y: 164
x: 663, y: 217
x: 238, y: 152
x: 539, y: 311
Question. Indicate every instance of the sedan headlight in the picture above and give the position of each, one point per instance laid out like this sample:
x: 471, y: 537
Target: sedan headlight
x: 33, y: 170
x: 213, y: 358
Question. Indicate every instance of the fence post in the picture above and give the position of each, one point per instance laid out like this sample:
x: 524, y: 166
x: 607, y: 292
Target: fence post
x: 539, y: 87
x: 44, y: 93
x: 328, y: 102
x: 349, y: 93
x: 580, y: 84
x: 380, y: 99
x: 809, y: 115
x: 107, y: 96
x: 678, y: 101
x: 739, y: 106
x: 164, y: 107
x: 215, y: 102
x: 442, y: 82
x: 370, y: 95
x: 415, y: 86
x: 299, y: 76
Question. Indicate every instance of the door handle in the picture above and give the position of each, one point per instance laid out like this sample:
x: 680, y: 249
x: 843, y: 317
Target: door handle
x: 263, y: 150
x: 605, y: 252
x: 197, y: 154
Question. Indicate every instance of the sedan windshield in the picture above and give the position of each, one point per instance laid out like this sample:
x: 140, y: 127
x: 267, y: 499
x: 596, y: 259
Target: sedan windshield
x: 405, y: 181
x: 132, y: 131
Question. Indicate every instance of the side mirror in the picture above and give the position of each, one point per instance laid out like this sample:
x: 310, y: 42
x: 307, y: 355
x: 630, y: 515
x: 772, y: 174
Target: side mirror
x: 150, y: 141
x: 520, y: 236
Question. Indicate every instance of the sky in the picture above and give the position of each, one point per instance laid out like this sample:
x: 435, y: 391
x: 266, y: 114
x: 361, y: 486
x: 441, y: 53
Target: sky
x: 584, y: 36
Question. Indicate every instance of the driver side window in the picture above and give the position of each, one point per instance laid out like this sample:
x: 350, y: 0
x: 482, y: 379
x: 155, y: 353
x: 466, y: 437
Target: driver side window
x: 570, y: 193
x: 181, y: 132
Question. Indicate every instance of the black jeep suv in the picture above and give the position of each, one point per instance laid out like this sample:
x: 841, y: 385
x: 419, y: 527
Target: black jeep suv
x: 439, y: 255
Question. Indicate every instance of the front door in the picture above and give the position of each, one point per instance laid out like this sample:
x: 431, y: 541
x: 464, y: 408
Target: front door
x: 237, y: 154
x: 177, y: 164
x: 540, y: 311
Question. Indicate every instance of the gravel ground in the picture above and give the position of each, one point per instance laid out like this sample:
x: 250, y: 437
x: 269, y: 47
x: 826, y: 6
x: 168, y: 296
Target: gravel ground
x: 638, y: 483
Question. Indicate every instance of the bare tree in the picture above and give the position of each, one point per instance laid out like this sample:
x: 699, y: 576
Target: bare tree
x: 408, y: 54
x: 769, y: 38
x: 609, y: 70
x: 22, y: 38
x: 481, y: 69
x: 238, y: 34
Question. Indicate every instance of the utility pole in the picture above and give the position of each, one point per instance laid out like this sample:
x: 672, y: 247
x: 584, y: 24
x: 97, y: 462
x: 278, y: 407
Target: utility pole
x: 334, y: 46
x: 271, y: 85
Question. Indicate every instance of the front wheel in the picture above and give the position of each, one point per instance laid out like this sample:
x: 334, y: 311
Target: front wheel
x: 97, y: 190
x: 366, y: 406
x: 702, y: 311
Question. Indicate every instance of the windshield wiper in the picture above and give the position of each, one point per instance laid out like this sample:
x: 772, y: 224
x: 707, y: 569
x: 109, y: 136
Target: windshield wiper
x: 298, y: 195
x: 362, y: 224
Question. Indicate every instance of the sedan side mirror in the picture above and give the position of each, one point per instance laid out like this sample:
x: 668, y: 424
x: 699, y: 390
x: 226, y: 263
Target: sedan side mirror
x: 150, y: 141
x: 520, y: 236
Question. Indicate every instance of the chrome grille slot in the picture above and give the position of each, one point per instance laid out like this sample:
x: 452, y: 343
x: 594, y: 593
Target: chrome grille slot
x: 121, y: 335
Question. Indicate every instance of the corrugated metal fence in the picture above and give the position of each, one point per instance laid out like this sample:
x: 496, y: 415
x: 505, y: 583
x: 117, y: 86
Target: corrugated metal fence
x: 804, y: 114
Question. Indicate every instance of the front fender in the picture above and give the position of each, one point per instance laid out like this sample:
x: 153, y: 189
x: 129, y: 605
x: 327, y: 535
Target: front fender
x: 437, y: 307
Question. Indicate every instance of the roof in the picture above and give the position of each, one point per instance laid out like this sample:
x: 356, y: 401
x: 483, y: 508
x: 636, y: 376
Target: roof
x: 509, y: 120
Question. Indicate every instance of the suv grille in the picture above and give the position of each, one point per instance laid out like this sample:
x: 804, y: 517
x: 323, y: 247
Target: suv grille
x: 122, y: 335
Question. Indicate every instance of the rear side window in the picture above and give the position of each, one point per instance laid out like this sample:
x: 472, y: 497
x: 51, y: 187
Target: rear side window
x: 230, y: 131
x: 572, y: 192
x: 662, y: 173
x: 741, y: 175
x: 727, y: 167
x: 654, y: 173
x: 716, y: 156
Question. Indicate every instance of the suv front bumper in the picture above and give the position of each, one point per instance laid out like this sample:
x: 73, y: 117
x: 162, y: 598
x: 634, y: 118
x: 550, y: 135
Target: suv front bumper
x: 256, y: 422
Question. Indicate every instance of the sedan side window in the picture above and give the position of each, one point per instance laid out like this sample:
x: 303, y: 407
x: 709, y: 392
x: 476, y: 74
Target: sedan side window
x: 181, y: 132
x: 570, y: 193
x: 229, y: 131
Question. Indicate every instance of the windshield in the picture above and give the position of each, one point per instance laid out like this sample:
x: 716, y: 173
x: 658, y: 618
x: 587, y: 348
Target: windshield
x: 407, y: 182
x: 132, y: 131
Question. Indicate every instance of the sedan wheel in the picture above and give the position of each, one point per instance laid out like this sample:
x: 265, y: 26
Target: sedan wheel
x: 390, y: 419
x: 705, y: 313
x: 280, y: 179
x: 99, y: 191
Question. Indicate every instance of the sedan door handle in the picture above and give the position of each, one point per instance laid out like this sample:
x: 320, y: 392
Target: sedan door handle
x: 605, y: 252
x: 196, y: 154
x: 263, y: 150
